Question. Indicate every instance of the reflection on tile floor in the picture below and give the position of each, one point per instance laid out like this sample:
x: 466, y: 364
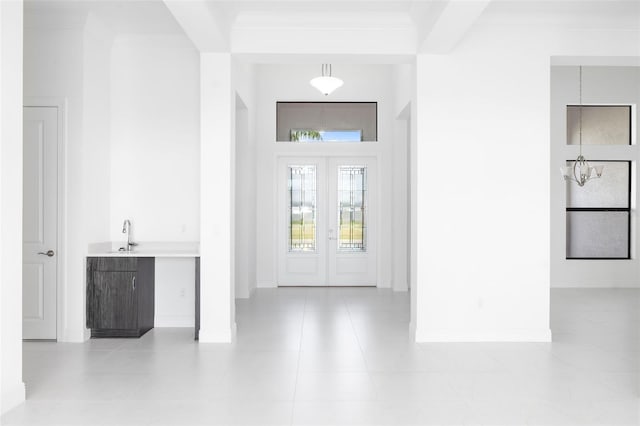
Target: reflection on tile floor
x: 337, y: 356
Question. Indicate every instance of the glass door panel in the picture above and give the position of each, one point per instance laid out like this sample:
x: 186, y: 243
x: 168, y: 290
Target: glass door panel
x: 302, y: 208
x: 352, y: 189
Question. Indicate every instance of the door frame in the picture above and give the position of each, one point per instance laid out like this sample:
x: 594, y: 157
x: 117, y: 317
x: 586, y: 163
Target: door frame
x: 61, y: 104
x: 327, y: 156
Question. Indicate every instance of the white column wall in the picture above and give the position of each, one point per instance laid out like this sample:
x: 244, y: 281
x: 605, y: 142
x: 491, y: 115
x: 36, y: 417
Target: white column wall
x: 12, y: 390
x: 246, y: 180
x: 404, y: 91
x: 483, y: 180
x: 483, y: 227
x: 217, y: 150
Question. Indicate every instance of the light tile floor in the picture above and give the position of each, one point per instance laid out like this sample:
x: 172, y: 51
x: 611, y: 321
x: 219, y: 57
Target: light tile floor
x: 319, y: 356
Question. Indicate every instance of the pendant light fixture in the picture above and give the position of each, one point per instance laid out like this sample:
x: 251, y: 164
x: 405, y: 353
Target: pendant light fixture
x: 326, y: 83
x: 580, y: 171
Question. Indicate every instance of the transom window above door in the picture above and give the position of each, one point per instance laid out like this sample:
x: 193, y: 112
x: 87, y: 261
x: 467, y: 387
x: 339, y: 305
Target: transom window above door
x: 326, y: 122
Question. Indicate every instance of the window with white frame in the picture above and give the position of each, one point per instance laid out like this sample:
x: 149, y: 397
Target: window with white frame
x: 598, y: 214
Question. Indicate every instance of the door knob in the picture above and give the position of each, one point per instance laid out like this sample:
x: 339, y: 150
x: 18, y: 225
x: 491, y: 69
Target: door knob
x: 49, y: 253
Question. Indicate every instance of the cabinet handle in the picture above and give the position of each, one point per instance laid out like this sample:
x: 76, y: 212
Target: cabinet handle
x: 133, y: 283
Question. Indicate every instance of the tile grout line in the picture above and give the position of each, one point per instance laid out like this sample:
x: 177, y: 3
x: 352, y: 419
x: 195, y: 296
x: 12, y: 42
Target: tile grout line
x: 364, y: 359
x: 295, y: 386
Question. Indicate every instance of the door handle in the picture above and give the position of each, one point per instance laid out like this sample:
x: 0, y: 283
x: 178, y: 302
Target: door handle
x: 49, y: 253
x: 331, y: 237
x: 133, y: 283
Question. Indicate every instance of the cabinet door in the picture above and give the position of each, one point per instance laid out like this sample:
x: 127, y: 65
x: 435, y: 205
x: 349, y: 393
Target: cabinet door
x: 114, y: 300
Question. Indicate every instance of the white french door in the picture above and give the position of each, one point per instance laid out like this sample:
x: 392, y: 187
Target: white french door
x: 40, y: 218
x: 326, y: 221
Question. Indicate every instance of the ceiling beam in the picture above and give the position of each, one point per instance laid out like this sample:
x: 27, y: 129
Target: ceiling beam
x: 201, y: 24
x: 454, y: 20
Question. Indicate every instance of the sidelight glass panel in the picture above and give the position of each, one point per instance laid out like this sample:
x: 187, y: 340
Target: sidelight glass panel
x: 598, y: 234
x: 302, y: 208
x: 352, y: 198
x: 611, y: 190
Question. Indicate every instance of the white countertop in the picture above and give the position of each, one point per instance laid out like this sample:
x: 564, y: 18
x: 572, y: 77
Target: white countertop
x: 145, y: 249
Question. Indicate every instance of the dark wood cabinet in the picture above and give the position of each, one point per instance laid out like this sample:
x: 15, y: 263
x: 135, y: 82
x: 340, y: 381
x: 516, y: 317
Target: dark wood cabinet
x: 120, y: 296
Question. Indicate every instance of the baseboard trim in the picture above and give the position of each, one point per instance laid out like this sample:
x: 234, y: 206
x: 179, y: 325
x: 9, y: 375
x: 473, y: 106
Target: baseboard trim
x: 218, y: 336
x: 514, y: 335
x: 75, y: 335
x: 582, y: 286
x: 179, y: 321
x: 401, y: 288
x: 13, y: 397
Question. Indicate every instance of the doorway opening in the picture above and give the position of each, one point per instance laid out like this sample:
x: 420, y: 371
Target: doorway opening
x: 327, y: 221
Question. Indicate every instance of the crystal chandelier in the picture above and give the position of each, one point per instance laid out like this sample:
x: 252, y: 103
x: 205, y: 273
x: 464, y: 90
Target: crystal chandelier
x: 581, y: 172
x: 326, y: 83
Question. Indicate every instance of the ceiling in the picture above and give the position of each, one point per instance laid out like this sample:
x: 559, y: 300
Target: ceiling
x: 120, y: 16
x: 153, y: 16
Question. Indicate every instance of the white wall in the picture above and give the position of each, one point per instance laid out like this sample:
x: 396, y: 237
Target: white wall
x: 54, y: 68
x: 404, y: 101
x: 245, y: 179
x: 155, y: 167
x: 245, y: 255
x: 291, y: 83
x: 94, y: 167
x: 483, y: 180
x: 96, y: 85
x: 132, y: 144
x: 155, y: 138
x: 12, y: 390
x: 217, y: 203
x: 603, y: 86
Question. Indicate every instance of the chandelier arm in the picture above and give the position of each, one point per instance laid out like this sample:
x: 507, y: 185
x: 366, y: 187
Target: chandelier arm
x: 575, y: 173
x: 580, y: 109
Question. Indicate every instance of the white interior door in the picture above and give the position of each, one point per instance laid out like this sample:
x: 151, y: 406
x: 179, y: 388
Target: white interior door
x: 326, y: 221
x: 39, y: 233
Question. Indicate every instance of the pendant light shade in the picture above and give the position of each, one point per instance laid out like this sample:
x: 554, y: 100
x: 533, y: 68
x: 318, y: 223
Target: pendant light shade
x: 326, y: 84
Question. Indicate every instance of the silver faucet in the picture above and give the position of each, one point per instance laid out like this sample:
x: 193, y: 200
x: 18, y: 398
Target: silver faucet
x: 126, y: 229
